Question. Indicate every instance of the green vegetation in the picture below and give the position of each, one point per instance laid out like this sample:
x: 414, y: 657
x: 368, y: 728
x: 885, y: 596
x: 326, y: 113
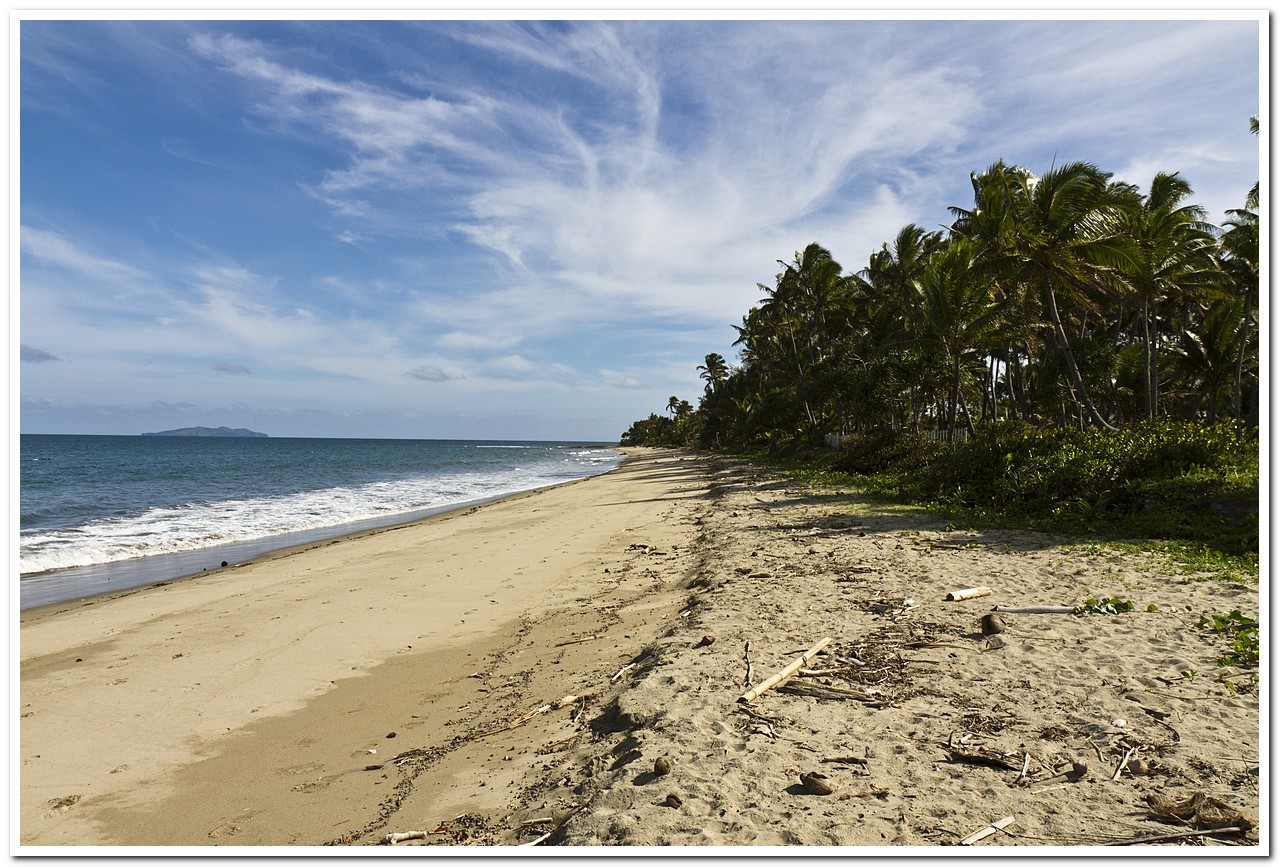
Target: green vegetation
x: 1111, y: 605
x: 1241, y: 630
x: 1072, y: 354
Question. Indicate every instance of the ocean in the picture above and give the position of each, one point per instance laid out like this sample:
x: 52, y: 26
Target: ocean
x: 105, y: 513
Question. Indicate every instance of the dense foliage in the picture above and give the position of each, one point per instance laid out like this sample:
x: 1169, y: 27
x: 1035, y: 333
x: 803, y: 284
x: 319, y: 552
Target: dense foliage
x: 1071, y: 350
x: 1061, y: 301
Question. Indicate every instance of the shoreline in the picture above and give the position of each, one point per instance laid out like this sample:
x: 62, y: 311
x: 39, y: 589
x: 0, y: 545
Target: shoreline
x: 57, y: 586
x: 526, y: 698
x: 126, y: 697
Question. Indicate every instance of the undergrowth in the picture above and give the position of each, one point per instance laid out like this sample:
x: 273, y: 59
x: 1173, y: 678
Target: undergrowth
x: 1188, y: 491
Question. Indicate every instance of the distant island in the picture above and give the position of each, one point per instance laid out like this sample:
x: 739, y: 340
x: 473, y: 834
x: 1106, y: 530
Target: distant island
x: 206, y: 432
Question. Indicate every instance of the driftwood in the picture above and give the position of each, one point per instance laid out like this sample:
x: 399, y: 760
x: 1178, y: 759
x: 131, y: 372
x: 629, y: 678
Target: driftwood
x: 751, y: 672
x: 791, y: 669
x: 968, y: 593
x: 1034, y: 609
x: 817, y: 690
x: 564, y: 820
x: 392, y: 839
x: 1026, y: 765
x: 1157, y: 838
x: 579, y: 640
x: 515, y: 724
x: 981, y: 758
x: 621, y: 672
x: 984, y: 833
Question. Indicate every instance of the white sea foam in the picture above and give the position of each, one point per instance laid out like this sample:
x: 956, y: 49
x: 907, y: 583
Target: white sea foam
x: 202, y: 525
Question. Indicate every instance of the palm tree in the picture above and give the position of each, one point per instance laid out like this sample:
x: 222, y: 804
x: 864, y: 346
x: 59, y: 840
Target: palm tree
x: 714, y: 370
x: 1239, y: 257
x: 1174, y: 257
x: 959, y: 313
x: 1065, y: 240
x: 1208, y: 354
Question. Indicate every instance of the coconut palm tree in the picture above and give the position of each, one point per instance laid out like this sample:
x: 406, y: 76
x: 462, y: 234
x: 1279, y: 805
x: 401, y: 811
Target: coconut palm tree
x: 959, y: 313
x: 1174, y: 256
x: 714, y: 370
x: 1066, y: 240
x: 1239, y: 258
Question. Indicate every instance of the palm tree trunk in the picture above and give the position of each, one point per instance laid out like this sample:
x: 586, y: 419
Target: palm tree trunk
x: 1236, y: 388
x: 1148, y: 378
x: 1073, y: 371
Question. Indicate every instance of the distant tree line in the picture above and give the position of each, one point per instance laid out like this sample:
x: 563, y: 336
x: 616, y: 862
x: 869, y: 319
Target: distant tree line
x: 1061, y: 300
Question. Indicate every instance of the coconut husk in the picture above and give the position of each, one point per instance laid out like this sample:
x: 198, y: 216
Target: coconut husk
x: 1198, y: 811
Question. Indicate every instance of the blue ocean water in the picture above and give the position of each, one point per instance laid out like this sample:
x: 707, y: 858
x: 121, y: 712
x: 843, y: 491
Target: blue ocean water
x: 89, y: 502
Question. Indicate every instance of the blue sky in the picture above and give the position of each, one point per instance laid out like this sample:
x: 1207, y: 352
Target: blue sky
x: 523, y: 229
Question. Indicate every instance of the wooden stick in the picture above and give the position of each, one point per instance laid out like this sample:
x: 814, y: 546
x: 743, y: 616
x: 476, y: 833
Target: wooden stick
x: 521, y: 721
x: 392, y: 839
x: 621, y: 672
x: 578, y: 640
x: 1034, y: 609
x: 540, y: 839
x: 538, y: 821
x: 984, y: 833
x: 791, y: 669
x: 1123, y: 763
x: 1026, y: 763
x: 1156, y: 838
x: 968, y: 593
x: 750, y: 669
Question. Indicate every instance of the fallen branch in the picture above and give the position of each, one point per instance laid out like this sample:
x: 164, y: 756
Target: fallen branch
x: 971, y: 758
x: 791, y: 669
x: 519, y: 722
x: 815, y: 690
x: 1034, y: 609
x: 984, y: 833
x: 968, y: 593
x: 1156, y: 838
x: 563, y: 821
x: 579, y: 640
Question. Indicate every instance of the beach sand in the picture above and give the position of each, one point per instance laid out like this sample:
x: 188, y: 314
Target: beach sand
x: 510, y: 673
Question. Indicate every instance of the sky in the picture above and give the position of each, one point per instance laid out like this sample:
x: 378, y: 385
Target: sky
x: 524, y: 229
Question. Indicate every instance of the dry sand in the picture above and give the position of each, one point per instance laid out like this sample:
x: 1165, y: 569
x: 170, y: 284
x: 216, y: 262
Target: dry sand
x: 511, y: 672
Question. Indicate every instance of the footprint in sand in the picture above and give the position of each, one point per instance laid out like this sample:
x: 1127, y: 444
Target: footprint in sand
x: 229, y: 828
x: 298, y: 770
x: 314, y: 785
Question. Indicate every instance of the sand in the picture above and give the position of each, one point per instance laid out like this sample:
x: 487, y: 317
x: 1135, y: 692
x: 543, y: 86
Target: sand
x: 510, y: 673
